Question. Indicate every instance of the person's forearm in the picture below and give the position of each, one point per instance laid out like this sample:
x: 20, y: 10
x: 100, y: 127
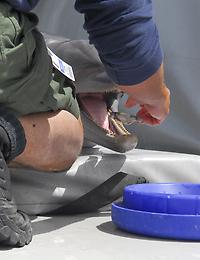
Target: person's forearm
x: 125, y: 36
x: 152, y: 86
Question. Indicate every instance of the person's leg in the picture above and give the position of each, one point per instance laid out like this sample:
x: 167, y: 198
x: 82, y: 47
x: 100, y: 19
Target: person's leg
x: 53, y: 140
x: 15, y: 226
x: 25, y: 89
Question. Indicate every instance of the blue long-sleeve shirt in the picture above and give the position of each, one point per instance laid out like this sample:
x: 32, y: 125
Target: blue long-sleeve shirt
x: 23, y: 5
x: 123, y: 32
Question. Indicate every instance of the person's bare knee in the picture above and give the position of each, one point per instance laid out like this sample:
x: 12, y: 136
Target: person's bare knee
x: 54, y: 140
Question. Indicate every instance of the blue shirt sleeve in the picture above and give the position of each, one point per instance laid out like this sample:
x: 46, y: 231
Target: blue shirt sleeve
x: 126, y: 37
x: 23, y: 5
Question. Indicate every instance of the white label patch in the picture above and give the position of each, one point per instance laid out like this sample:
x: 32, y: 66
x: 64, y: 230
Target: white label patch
x: 62, y: 66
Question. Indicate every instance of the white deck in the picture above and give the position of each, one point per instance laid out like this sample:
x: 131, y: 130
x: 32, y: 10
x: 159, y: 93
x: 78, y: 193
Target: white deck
x: 93, y: 236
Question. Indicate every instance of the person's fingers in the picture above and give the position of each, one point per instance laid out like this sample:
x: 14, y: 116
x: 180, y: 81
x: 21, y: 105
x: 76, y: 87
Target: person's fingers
x: 131, y: 102
x: 159, y: 110
x: 154, y: 106
x: 156, y: 112
x: 146, y: 118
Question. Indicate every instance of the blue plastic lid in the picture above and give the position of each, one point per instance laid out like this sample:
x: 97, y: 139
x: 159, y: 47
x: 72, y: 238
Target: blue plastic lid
x: 171, y: 198
x: 166, y: 210
x: 170, y: 226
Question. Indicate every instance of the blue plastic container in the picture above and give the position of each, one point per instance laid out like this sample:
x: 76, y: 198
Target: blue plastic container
x: 166, y: 210
x: 171, y: 198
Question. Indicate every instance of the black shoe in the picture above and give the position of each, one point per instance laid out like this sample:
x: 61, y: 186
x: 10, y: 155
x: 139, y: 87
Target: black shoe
x: 15, y: 226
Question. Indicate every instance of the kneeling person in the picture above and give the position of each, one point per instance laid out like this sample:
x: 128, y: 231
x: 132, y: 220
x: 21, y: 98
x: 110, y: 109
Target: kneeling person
x: 40, y: 125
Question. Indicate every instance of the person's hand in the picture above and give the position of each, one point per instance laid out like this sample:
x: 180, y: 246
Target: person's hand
x: 152, y: 95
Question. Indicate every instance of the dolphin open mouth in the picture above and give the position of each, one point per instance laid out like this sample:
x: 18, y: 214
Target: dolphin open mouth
x: 99, y: 107
x: 103, y: 123
x: 96, y: 94
x: 95, y: 106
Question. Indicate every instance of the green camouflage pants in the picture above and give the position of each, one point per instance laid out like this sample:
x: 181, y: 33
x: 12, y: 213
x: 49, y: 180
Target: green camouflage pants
x: 27, y: 84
